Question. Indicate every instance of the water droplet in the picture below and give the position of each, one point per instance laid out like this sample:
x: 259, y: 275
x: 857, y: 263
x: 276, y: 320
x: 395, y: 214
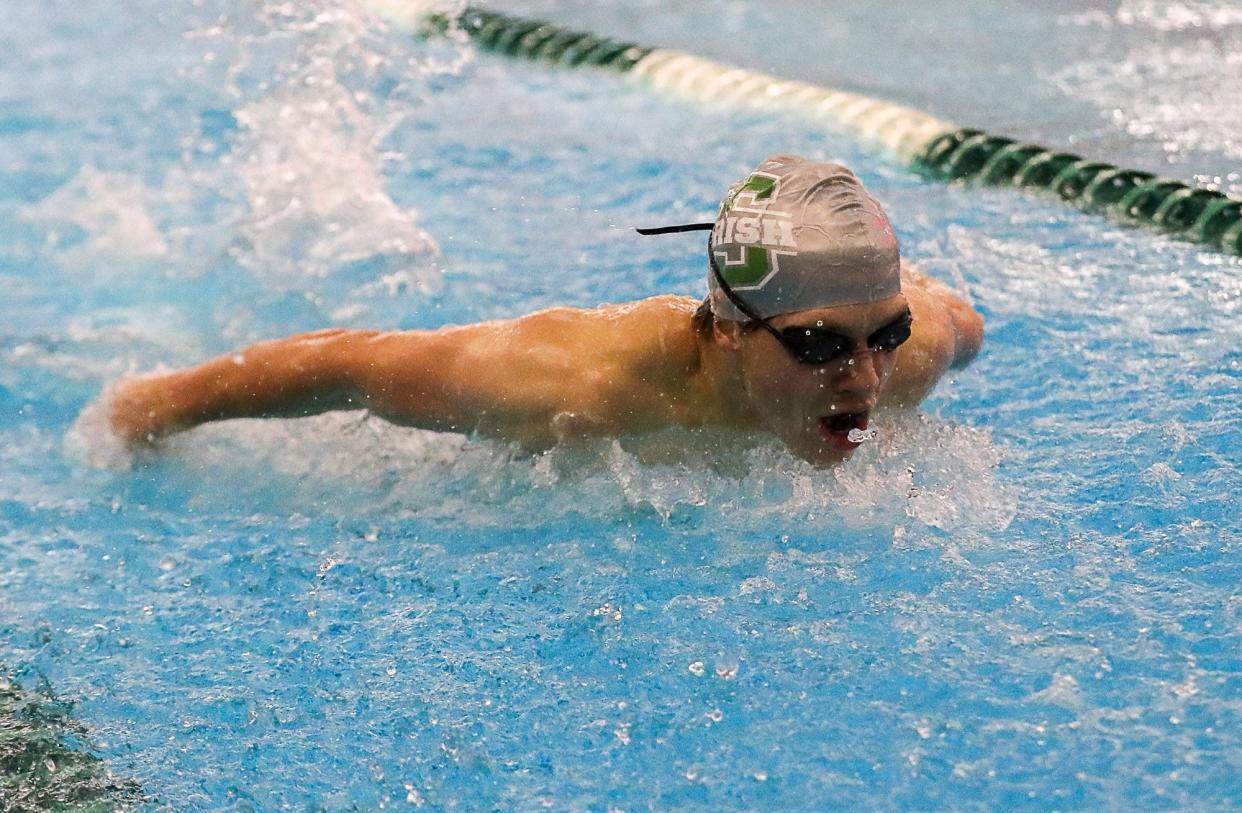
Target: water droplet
x: 608, y: 611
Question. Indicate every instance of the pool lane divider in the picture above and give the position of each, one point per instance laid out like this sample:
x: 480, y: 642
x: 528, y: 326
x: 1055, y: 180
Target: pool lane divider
x: 930, y: 146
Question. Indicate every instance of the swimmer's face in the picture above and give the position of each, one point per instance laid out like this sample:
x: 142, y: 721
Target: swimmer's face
x: 812, y: 407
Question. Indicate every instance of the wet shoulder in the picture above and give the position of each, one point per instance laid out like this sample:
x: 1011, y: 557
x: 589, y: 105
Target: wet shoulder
x: 633, y: 360
x: 657, y: 334
x: 648, y: 339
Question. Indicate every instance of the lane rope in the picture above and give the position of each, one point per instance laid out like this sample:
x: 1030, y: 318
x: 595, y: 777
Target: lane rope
x: 933, y: 147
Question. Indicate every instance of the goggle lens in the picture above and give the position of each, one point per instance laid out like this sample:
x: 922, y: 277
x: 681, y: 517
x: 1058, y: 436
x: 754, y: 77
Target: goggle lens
x: 814, y: 346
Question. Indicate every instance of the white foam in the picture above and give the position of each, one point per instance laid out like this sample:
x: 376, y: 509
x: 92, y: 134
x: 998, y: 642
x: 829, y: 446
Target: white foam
x: 924, y: 471
x: 1167, y: 16
x: 91, y: 441
x: 313, y: 178
x: 113, y: 210
x: 1167, y: 89
x: 1061, y: 691
x: 409, y: 15
x: 310, y: 161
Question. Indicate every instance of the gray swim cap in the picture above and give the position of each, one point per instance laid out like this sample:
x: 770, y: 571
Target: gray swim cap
x: 797, y: 234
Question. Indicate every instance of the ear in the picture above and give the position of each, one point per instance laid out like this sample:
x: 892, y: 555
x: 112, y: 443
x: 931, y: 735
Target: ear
x: 727, y: 334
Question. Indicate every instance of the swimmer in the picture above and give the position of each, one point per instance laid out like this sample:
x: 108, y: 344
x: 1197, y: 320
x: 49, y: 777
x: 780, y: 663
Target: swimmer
x: 811, y: 327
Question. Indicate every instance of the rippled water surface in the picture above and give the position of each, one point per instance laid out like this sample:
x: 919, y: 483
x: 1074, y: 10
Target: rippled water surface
x: 1023, y: 597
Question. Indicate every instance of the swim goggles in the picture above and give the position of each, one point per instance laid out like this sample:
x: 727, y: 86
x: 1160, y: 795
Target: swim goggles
x: 809, y: 345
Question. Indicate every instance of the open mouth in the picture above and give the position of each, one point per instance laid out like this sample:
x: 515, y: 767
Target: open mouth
x: 845, y: 430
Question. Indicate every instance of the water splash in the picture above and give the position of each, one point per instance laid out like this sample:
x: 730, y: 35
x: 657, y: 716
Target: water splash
x: 924, y: 470
x: 1166, y: 87
x: 283, y: 174
x: 100, y: 222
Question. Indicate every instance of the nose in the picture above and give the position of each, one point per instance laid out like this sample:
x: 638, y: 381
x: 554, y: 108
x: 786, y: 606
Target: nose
x: 859, y: 374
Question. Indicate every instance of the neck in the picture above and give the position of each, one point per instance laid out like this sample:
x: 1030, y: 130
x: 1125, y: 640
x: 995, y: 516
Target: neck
x: 721, y: 386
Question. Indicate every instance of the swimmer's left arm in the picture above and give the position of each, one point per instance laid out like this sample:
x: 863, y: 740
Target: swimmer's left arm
x: 947, y: 334
x: 966, y: 322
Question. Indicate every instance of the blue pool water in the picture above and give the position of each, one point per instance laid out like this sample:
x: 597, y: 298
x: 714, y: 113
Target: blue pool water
x: 1023, y: 597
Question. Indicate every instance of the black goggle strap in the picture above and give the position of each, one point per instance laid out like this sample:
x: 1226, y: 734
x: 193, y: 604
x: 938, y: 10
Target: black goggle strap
x: 677, y: 229
x: 746, y: 310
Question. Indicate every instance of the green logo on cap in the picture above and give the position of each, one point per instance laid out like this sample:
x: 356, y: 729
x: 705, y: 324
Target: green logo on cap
x: 751, y: 233
x: 761, y: 185
x: 758, y: 185
x: 753, y: 268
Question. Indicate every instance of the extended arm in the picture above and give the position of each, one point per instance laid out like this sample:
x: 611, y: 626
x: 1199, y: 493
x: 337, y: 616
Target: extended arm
x: 535, y: 379
x: 292, y: 377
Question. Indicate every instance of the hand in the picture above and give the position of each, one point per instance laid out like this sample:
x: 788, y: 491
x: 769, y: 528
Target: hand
x: 135, y: 411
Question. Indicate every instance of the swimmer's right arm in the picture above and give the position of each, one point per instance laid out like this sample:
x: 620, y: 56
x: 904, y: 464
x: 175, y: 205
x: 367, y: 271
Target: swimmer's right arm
x: 290, y: 377
x: 505, y: 379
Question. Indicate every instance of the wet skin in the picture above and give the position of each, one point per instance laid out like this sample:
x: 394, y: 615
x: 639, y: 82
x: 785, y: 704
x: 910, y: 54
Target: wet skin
x: 569, y: 374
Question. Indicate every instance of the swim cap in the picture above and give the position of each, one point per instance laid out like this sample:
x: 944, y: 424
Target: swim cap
x: 798, y: 234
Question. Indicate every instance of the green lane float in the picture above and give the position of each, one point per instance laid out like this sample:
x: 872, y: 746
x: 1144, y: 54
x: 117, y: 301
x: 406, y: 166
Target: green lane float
x: 933, y: 147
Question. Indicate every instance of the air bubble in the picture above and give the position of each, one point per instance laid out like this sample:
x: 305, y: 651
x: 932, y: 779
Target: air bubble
x: 857, y: 435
